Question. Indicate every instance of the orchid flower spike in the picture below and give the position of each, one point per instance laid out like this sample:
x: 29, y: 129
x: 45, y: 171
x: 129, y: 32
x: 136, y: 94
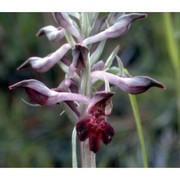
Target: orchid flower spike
x: 85, y: 90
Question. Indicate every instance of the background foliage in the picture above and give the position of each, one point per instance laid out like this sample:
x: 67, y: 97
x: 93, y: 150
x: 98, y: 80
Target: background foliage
x: 41, y: 137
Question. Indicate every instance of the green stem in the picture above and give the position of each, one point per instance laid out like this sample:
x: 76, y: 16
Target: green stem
x: 171, y: 42
x: 88, y: 158
x: 139, y: 128
x: 69, y: 38
x: 74, y: 153
x: 85, y: 24
x: 172, y: 47
x: 178, y: 99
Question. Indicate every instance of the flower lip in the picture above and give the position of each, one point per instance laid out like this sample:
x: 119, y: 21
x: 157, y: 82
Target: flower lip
x: 96, y: 129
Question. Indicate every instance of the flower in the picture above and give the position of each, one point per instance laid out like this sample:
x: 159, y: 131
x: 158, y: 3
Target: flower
x: 93, y: 124
x: 121, y: 26
x: 85, y: 35
x: 63, y: 20
x: 79, y: 61
x: 52, y: 33
x: 40, y: 94
x: 131, y: 85
x: 96, y: 129
x: 44, y: 64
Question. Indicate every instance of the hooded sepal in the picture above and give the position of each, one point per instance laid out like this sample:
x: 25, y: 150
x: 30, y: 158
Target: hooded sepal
x: 52, y: 33
x: 101, y: 104
x: 131, y: 85
x: 63, y: 20
x: 121, y: 26
x: 80, y: 58
x: 39, y: 93
x: 44, y: 64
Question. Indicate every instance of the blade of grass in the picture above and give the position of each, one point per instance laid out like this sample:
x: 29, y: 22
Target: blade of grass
x: 134, y: 106
x: 172, y: 48
x: 171, y: 42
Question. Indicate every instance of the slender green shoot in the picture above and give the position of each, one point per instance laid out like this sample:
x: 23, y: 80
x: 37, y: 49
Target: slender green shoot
x: 134, y: 106
x: 172, y: 48
x: 74, y: 153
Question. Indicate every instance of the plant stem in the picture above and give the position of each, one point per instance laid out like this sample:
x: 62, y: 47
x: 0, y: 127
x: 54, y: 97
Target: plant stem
x: 172, y: 47
x: 178, y: 102
x: 139, y: 128
x: 88, y: 158
x: 74, y: 153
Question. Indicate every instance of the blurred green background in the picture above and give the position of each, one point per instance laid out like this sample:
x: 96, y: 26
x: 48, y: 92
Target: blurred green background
x: 41, y: 137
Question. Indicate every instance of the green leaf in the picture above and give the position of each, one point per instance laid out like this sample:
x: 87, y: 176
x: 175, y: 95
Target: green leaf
x: 98, y: 52
x: 111, y: 57
x: 85, y: 24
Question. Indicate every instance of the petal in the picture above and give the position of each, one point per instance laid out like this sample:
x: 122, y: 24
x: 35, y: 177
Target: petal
x: 107, y: 133
x: 67, y: 96
x: 120, y: 27
x: 101, y: 104
x: 65, y: 21
x: 51, y: 32
x: 94, y: 141
x: 38, y: 92
x: 131, y: 85
x: 36, y: 97
x: 82, y: 129
x: 34, y: 85
x: 44, y: 64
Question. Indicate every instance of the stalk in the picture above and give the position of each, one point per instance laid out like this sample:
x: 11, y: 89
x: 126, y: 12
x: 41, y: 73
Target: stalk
x: 88, y: 158
x: 74, y: 153
x: 172, y: 47
x: 134, y: 106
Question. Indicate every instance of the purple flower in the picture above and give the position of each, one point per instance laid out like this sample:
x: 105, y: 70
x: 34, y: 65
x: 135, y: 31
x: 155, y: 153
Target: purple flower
x: 44, y: 64
x: 83, y: 70
x: 39, y: 93
x: 121, y: 26
x: 79, y: 61
x: 52, y: 33
x: 63, y: 20
x: 93, y: 124
x: 131, y: 85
